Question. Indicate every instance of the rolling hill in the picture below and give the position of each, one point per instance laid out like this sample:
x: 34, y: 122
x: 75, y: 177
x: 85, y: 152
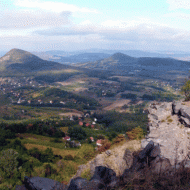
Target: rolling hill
x: 17, y: 60
x: 122, y: 64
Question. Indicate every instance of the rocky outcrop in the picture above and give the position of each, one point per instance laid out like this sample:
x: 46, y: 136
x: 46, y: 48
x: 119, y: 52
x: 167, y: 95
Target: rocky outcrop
x: 105, y: 178
x: 168, y: 124
x: 117, y: 159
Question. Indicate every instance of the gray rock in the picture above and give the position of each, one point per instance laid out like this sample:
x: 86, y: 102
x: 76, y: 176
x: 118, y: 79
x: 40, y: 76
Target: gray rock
x: 128, y: 157
x: 187, y: 164
x: 105, y: 176
x: 160, y: 165
x: 154, y: 116
x: 155, y: 151
x: 19, y: 187
x: 39, y: 183
x: 143, y: 154
x: 108, y: 152
x: 83, y: 184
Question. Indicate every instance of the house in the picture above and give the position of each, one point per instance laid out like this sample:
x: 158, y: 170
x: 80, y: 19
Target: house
x: 87, y: 124
x: 92, y: 139
x: 80, y: 123
x: 99, y: 142
x: 74, y: 144
x: 67, y: 138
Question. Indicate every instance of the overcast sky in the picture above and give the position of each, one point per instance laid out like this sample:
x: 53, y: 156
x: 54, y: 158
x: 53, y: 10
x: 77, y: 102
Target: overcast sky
x: 42, y: 25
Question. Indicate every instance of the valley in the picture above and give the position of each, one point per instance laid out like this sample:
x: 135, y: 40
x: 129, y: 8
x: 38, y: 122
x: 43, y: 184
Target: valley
x: 44, y: 103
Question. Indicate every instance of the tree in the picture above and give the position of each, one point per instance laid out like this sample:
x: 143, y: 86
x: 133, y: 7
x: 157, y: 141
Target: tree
x: 8, y: 162
x: 186, y: 89
x: 77, y: 133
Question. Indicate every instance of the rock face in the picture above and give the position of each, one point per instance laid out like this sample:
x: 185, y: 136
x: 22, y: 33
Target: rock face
x: 117, y: 159
x: 103, y: 178
x: 168, y: 124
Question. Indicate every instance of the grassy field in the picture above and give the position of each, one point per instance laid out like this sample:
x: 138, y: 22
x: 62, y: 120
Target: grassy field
x: 69, y: 158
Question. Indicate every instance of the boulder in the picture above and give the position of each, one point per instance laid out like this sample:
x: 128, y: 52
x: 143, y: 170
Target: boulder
x: 155, y: 151
x: 108, y: 152
x: 160, y: 165
x: 106, y: 176
x: 83, y: 184
x: 143, y: 154
x: 38, y: 183
x: 128, y: 157
x: 138, y: 164
x: 176, y: 107
x: 20, y: 187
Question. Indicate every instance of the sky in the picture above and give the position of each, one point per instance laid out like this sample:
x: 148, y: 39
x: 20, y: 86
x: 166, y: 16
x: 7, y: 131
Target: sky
x: 70, y: 25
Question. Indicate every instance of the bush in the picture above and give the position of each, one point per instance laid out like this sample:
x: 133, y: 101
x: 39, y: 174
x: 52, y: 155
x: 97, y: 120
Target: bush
x: 106, y: 144
x: 136, y: 133
x: 69, y: 157
x: 119, y: 139
x: 49, y: 170
x: 2, y: 141
x: 56, y: 140
x: 77, y: 133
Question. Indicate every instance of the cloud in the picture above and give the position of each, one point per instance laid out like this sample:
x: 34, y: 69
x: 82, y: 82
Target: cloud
x: 134, y: 34
x: 53, y: 6
x: 32, y: 19
x: 178, y: 15
x: 178, y: 4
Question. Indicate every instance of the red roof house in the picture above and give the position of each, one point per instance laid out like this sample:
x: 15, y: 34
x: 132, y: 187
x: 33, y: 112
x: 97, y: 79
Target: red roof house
x: 87, y: 124
x: 99, y: 142
x: 67, y: 138
x: 92, y: 139
x: 80, y: 123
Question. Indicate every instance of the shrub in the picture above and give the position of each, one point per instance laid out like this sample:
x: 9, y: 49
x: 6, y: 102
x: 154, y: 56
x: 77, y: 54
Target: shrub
x: 86, y: 174
x: 119, y: 139
x: 49, y: 170
x: 69, y: 157
x: 77, y: 133
x: 170, y: 120
x: 106, y: 144
x: 2, y: 141
x: 100, y: 136
x: 136, y: 133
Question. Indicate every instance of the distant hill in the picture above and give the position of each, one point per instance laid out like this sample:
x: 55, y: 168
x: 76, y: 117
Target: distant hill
x: 122, y: 64
x: 78, y: 58
x: 22, y: 61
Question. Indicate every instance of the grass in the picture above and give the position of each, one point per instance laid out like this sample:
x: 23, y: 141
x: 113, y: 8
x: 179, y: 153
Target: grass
x: 170, y: 120
x: 86, y: 174
x: 80, y: 156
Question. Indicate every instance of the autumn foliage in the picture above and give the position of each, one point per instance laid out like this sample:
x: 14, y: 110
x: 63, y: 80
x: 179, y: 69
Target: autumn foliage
x: 136, y: 133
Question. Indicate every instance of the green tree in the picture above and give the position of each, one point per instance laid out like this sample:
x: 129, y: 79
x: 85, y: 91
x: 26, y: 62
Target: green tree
x: 186, y: 89
x: 8, y: 162
x: 77, y: 133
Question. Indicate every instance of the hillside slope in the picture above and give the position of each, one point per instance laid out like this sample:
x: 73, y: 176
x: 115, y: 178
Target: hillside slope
x: 120, y: 63
x: 17, y: 60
